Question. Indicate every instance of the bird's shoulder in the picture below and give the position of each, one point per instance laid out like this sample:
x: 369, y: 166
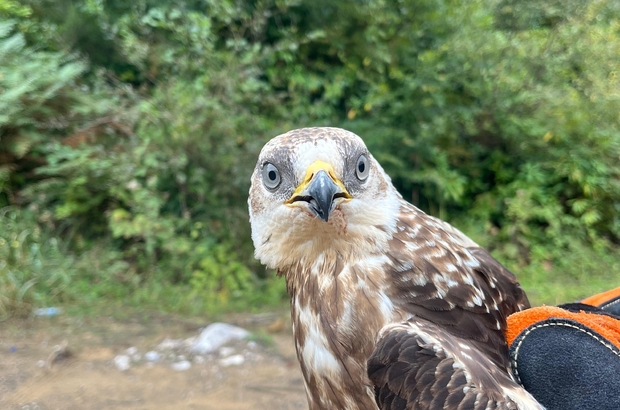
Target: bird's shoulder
x: 437, y: 273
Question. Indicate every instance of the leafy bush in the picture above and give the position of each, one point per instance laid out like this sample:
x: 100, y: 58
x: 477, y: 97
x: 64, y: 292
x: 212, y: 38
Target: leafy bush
x: 34, y: 267
x: 35, y: 87
x: 131, y: 131
x: 172, y: 194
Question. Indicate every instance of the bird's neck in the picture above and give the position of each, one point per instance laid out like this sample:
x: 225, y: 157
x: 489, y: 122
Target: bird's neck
x: 337, y: 309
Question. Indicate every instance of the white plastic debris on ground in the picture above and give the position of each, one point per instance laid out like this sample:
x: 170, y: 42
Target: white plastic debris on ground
x: 226, y: 351
x: 181, y: 366
x: 122, y: 362
x: 234, y: 360
x: 215, y: 335
x: 152, y: 356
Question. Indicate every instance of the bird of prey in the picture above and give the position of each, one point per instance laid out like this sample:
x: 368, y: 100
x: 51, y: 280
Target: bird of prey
x: 391, y: 308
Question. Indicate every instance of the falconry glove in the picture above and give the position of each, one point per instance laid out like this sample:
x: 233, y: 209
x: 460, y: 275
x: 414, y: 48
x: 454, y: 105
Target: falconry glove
x: 568, y: 357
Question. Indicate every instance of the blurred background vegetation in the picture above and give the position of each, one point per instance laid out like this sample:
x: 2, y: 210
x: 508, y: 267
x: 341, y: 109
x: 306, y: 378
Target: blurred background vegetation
x: 129, y: 130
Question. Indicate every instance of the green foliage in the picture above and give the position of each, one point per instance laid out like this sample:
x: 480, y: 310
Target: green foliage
x: 516, y: 126
x: 131, y: 130
x: 10, y: 8
x: 34, y: 269
x: 220, y: 278
x: 184, y: 206
x: 34, y: 89
x: 572, y: 273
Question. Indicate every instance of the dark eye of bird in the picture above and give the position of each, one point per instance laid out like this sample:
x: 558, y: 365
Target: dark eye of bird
x: 271, y: 176
x: 361, y: 170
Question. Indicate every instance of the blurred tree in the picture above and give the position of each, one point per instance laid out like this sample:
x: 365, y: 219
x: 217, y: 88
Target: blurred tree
x: 132, y: 127
x: 35, y: 101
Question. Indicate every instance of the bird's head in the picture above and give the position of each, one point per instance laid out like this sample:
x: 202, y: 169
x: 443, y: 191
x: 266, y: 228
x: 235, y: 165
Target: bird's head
x: 315, y: 190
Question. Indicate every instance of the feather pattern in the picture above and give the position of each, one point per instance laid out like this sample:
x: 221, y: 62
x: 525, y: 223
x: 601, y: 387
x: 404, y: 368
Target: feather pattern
x: 418, y: 365
x: 437, y: 275
x: 391, y: 308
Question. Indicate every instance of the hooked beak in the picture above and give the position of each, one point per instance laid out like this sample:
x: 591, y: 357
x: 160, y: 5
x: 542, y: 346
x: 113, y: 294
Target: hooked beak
x: 319, y: 190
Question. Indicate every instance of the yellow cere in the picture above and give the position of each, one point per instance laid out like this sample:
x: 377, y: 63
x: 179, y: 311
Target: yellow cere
x: 311, y: 171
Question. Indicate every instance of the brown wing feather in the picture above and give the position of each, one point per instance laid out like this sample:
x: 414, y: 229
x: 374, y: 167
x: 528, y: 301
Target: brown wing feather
x: 418, y: 365
x: 440, y: 275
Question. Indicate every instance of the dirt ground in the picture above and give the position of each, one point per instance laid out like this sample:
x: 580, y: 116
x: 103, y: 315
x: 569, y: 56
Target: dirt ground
x: 65, y: 363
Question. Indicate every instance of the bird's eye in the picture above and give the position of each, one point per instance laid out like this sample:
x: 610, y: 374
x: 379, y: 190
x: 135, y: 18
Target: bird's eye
x: 362, y: 168
x: 271, y: 176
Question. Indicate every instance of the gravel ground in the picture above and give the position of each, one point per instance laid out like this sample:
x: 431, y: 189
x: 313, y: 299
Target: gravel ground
x: 64, y: 363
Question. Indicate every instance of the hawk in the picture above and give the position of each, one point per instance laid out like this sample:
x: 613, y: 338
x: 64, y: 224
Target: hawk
x: 391, y: 308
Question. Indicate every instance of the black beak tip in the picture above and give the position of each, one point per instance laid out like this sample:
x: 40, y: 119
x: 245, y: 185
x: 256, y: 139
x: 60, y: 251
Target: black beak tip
x: 322, y: 191
x: 319, y: 212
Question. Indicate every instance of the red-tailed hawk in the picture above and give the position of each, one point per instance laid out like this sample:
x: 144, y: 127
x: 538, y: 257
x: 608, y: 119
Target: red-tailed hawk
x: 391, y: 308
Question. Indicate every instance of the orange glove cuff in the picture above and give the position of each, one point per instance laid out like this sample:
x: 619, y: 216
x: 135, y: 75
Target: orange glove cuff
x: 605, y: 326
x: 603, y: 299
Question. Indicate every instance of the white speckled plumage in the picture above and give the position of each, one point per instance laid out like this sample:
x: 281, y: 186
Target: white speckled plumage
x: 380, y: 272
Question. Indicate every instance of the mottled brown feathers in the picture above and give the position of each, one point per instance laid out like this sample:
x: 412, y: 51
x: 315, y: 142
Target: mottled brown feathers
x: 463, y: 289
x: 391, y: 308
x: 415, y: 366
